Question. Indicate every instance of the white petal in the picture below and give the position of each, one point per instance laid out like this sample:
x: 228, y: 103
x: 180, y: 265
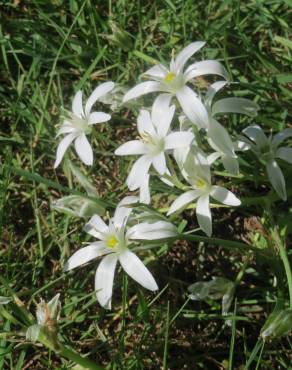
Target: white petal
x: 177, y: 140
x: 142, y: 89
x: 241, y: 146
x: 184, y: 199
x: 162, y: 113
x: 138, y: 172
x: 230, y: 164
x: 204, y: 214
x: 213, y: 157
x: 159, y: 163
x: 186, y: 53
x: 96, y: 227
x: 156, y: 72
x: 281, y: 136
x: 133, y: 147
x: 220, y: 137
x: 224, y: 196
x: 152, y: 230
x: 145, y: 124
x: 206, y: 67
x: 285, y: 154
x: 135, y: 268
x: 77, y: 107
x: 256, y: 134
x: 104, y: 279
x: 192, y: 106
x: 212, y: 90
x: 277, y: 179
x: 97, y: 93
x: 98, y: 117
x: 65, y: 129
x: 123, y: 210
x: 84, y: 149
x: 62, y: 147
x: 85, y: 255
x: 145, y: 191
x: 236, y: 105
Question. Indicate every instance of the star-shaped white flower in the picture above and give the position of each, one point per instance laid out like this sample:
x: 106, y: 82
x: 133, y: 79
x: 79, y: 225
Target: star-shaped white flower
x: 197, y: 172
x: 267, y: 150
x: 173, y: 80
x: 79, y: 124
x: 156, y: 140
x: 113, y: 244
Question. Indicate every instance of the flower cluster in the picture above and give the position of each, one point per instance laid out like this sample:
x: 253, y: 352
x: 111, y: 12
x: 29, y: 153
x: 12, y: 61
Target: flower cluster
x: 180, y: 138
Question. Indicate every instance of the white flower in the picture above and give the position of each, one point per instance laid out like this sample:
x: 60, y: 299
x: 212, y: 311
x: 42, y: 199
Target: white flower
x: 79, y: 124
x: 267, y: 150
x: 197, y: 172
x: 173, y: 80
x: 155, y: 141
x: 113, y: 244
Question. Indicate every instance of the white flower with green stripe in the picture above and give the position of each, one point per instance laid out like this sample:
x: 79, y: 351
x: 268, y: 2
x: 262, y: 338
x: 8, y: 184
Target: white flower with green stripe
x: 79, y: 123
x: 268, y: 150
x: 174, y: 80
x: 114, y: 245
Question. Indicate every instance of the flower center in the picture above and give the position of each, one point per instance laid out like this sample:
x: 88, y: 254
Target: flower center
x: 169, y: 77
x: 112, y: 242
x: 155, y: 144
x: 200, y: 183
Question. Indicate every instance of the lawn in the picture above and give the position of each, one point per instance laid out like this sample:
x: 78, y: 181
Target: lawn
x: 51, y: 49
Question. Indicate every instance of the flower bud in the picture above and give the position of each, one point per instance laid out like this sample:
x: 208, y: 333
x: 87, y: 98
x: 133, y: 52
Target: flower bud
x: 277, y: 325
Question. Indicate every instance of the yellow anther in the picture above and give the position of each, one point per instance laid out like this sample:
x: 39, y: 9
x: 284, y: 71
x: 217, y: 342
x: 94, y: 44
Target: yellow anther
x: 169, y: 77
x: 200, y: 183
x: 112, y: 242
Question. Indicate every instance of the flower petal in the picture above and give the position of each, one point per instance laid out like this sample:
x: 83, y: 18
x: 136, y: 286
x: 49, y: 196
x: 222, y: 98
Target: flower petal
x: 135, y: 268
x: 145, y: 124
x: 285, y: 154
x: 133, y: 147
x: 104, y: 278
x: 98, y: 117
x: 206, y: 67
x: 152, y: 230
x: 204, y: 214
x: 230, y: 164
x: 85, y: 255
x: 145, y: 191
x: 157, y: 72
x: 65, y: 129
x: 96, y: 227
x: 182, y: 200
x: 97, y: 93
x: 281, y: 136
x: 256, y: 134
x: 138, y: 172
x: 142, y: 89
x: 192, y: 106
x: 159, y: 163
x: 77, y: 107
x: 224, y: 196
x: 277, y: 179
x: 63, y: 146
x: 84, y: 149
x: 123, y: 210
x: 177, y: 140
x: 162, y: 113
x: 220, y: 138
x: 213, y: 157
x: 235, y: 105
x: 184, y: 55
x: 212, y: 90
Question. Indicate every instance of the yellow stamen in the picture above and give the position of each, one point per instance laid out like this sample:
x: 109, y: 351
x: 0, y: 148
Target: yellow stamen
x: 200, y: 183
x: 169, y: 77
x: 112, y: 242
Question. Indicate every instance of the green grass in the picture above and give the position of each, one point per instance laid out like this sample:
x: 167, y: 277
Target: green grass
x: 49, y: 50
